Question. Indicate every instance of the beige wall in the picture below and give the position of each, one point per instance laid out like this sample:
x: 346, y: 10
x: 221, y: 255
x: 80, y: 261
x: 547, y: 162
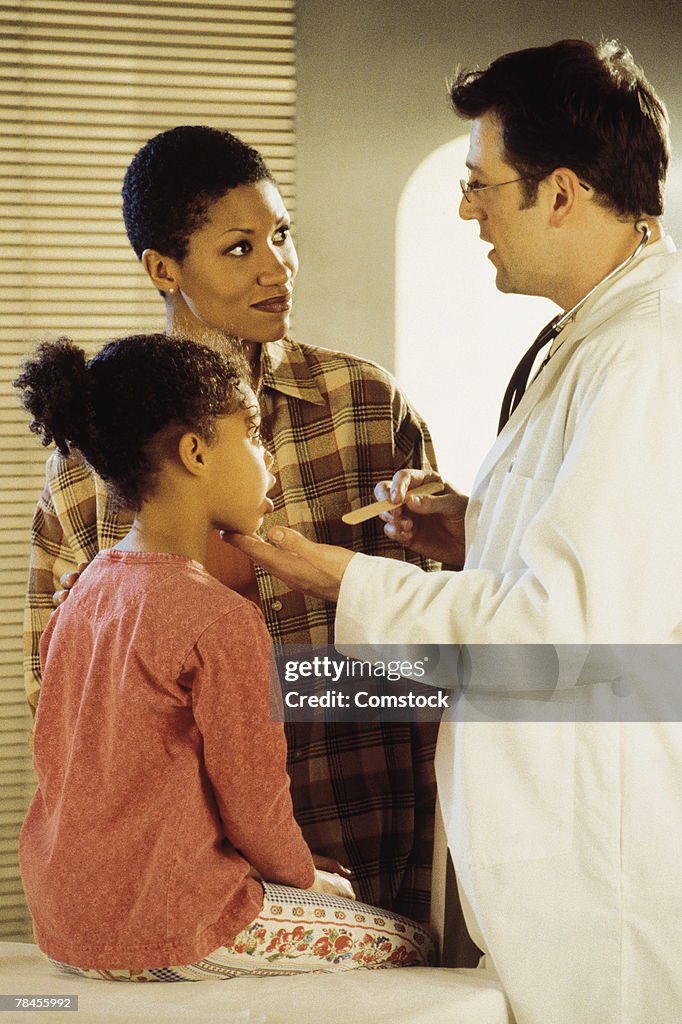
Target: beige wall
x: 372, y: 104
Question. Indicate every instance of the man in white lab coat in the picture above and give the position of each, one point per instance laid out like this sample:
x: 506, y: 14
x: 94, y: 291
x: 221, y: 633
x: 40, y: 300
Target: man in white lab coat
x: 566, y: 835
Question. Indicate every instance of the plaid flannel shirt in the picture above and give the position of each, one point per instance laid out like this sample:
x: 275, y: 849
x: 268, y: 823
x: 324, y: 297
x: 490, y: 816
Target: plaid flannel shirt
x: 363, y: 793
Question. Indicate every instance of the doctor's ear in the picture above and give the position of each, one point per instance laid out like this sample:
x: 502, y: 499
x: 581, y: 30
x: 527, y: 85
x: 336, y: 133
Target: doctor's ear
x: 192, y: 453
x: 565, y: 191
x: 161, y: 270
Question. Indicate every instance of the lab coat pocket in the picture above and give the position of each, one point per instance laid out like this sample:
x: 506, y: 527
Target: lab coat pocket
x: 516, y: 784
x: 497, y: 524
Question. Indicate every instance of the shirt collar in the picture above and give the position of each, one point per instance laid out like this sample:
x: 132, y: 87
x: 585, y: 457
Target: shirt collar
x: 284, y: 368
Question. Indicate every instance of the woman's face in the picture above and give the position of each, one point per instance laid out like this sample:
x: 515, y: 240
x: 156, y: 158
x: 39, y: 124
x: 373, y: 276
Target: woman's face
x: 238, y: 274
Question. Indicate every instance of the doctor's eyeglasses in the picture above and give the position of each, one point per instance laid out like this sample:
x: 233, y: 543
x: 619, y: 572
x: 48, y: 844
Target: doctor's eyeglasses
x: 469, y: 190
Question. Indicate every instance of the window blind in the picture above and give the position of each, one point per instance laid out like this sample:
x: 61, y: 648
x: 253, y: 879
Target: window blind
x: 83, y: 84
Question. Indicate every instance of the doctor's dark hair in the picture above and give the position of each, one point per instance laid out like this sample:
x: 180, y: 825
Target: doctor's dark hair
x: 172, y: 181
x: 576, y: 105
x: 126, y: 408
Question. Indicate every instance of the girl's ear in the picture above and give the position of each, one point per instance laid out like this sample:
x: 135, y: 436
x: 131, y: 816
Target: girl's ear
x: 192, y: 453
x: 161, y: 270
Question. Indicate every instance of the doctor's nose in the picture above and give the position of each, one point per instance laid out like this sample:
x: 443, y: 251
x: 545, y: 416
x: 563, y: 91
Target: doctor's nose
x: 469, y: 209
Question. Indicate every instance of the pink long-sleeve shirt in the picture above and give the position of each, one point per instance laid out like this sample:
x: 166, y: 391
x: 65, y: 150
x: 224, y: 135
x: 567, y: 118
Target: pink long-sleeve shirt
x: 161, y: 777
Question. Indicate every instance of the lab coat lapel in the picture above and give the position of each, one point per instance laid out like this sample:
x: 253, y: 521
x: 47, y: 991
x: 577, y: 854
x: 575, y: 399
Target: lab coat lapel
x: 598, y: 309
x: 507, y: 441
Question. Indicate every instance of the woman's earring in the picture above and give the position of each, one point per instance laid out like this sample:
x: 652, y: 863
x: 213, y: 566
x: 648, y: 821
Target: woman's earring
x: 171, y: 291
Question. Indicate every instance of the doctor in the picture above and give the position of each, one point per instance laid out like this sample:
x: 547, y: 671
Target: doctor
x: 565, y: 834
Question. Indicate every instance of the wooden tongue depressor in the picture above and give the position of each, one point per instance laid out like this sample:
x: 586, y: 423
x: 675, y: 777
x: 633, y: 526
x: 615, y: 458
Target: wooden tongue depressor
x: 361, y: 515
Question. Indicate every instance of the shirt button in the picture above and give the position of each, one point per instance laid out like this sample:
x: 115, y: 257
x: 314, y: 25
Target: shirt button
x: 276, y: 606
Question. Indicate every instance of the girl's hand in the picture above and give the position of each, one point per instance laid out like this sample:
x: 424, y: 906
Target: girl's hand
x: 335, y: 885
x: 330, y: 864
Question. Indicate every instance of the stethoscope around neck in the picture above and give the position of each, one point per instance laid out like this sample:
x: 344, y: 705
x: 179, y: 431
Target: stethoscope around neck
x: 560, y: 323
x: 519, y: 379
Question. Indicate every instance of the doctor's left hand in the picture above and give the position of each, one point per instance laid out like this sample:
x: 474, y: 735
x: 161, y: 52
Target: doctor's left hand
x: 302, y: 564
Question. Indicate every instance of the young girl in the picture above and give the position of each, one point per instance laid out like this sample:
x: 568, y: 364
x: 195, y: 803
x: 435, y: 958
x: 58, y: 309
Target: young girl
x: 161, y: 842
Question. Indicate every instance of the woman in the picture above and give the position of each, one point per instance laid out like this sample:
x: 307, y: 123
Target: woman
x: 162, y: 816
x: 208, y: 223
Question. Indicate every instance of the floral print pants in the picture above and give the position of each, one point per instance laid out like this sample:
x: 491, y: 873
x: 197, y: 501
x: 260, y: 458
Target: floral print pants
x: 299, y: 931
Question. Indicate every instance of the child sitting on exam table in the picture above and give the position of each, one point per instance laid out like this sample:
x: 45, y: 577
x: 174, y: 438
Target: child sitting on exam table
x: 161, y: 842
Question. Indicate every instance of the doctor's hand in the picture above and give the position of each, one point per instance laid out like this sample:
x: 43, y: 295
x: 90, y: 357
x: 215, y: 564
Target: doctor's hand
x: 430, y: 525
x: 302, y: 564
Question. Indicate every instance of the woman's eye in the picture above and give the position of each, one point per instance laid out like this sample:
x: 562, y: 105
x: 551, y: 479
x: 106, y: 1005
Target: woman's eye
x: 238, y: 249
x: 282, y: 233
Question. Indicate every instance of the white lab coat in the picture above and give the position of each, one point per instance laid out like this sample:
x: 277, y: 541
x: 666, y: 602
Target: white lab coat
x: 567, y: 836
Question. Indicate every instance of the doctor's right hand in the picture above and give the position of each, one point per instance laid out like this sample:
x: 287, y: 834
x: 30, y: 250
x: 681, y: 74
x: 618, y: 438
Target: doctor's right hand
x: 430, y: 525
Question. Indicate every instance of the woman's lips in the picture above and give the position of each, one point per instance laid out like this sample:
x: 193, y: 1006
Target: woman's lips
x: 278, y: 304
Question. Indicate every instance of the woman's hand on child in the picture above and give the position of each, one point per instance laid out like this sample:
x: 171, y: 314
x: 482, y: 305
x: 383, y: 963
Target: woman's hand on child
x: 335, y: 885
x: 68, y: 582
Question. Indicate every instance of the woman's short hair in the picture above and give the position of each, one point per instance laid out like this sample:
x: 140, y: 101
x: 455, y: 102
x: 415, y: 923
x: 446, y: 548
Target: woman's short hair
x: 576, y: 105
x: 174, y: 178
x: 125, y: 409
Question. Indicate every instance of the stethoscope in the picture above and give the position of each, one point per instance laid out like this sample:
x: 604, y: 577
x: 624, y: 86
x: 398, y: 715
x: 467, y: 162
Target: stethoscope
x: 642, y: 226
x: 519, y: 380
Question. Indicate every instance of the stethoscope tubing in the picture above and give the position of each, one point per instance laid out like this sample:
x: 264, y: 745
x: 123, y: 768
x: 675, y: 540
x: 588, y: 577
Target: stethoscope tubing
x: 642, y: 226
